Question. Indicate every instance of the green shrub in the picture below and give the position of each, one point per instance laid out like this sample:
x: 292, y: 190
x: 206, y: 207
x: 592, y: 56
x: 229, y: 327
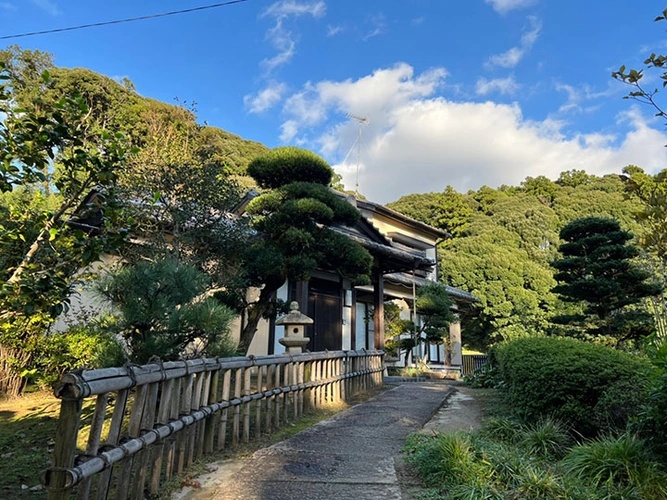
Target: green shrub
x: 79, y: 347
x: 565, y: 378
x: 484, y: 377
x: 285, y: 165
x: 547, y: 438
x: 619, y: 404
x: 652, y: 415
x: 618, y: 464
x: 503, y: 429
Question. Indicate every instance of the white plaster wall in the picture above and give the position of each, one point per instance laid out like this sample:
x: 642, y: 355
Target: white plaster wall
x: 85, y: 303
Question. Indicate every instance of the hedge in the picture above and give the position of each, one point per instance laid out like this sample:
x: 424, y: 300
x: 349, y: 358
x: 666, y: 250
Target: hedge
x: 577, y: 382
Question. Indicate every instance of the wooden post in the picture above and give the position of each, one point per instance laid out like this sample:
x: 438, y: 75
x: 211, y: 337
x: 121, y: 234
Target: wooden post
x: 158, y: 449
x: 63, y: 452
x: 246, y: 406
x: 94, y: 440
x: 112, y: 439
x: 270, y: 378
x: 182, y: 441
x: 209, y: 432
x: 174, y: 409
x: 260, y: 402
x: 133, y: 430
x: 295, y: 394
x: 276, y: 401
x: 226, y: 387
x: 147, y: 422
x: 378, y: 304
x: 238, y: 386
x: 201, y: 425
x: 301, y: 380
x: 285, y: 401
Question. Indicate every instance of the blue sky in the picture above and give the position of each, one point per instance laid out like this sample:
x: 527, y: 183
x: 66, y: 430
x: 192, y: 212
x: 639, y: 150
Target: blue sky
x: 467, y: 93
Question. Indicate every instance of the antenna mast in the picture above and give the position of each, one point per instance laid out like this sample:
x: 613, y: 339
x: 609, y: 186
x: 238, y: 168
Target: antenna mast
x: 361, y: 121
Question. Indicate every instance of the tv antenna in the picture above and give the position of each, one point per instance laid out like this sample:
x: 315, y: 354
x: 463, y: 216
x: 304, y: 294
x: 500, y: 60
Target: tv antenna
x: 361, y: 121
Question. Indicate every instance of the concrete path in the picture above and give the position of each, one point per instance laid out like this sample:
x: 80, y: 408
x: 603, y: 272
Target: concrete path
x: 348, y: 456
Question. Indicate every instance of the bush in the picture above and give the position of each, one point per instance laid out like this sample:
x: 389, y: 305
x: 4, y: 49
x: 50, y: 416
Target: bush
x: 652, y: 415
x: 79, y: 347
x: 619, y: 464
x: 285, y: 165
x: 566, y: 379
x: 484, y: 377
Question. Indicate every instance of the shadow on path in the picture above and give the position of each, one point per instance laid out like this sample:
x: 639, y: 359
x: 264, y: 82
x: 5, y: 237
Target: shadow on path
x: 348, y: 456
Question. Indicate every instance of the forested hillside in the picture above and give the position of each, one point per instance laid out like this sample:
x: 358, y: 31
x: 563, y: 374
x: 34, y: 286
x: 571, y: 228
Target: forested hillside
x: 504, y: 240
x: 119, y: 108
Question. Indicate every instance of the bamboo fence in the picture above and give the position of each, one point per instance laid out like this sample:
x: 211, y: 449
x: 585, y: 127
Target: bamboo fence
x: 150, y: 422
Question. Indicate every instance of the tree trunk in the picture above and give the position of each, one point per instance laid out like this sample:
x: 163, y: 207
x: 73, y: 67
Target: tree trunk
x: 11, y: 360
x: 45, y: 234
x: 256, y: 312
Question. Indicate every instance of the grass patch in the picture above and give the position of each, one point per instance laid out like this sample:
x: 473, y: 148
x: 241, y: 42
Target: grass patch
x: 540, y: 460
x: 27, y: 432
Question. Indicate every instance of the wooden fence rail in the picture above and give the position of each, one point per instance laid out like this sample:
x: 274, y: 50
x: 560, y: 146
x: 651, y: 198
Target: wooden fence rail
x: 151, y: 422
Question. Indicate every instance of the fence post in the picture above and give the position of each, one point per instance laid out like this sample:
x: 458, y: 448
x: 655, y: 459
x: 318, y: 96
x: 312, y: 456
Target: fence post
x: 57, y: 478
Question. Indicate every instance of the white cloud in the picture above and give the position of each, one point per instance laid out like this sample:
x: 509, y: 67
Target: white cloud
x: 49, y: 6
x: 417, y: 21
x: 578, y: 96
x: 334, y: 30
x: 286, y: 8
x: 504, y: 6
x: 418, y: 141
x: 266, y: 98
x: 8, y: 6
x: 505, y: 86
x: 282, y: 39
x: 513, y: 56
x: 289, y: 130
x: 373, y: 96
x: 378, y: 26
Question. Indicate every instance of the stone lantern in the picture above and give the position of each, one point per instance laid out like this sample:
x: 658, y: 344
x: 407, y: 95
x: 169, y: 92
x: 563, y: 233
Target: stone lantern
x: 295, y: 324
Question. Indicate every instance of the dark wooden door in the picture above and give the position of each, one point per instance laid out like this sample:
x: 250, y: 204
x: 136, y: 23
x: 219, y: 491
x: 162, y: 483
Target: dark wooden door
x: 324, y: 306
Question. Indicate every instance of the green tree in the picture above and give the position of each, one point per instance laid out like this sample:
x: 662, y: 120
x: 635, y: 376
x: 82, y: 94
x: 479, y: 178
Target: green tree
x: 293, y: 237
x: 162, y: 310
x: 50, y: 241
x: 596, y: 269
x: 448, y: 210
x: 433, y: 306
x: 651, y: 190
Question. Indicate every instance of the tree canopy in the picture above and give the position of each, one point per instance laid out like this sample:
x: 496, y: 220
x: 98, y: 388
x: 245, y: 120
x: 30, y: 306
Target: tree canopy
x: 504, y: 240
x: 293, y: 236
x: 596, y: 269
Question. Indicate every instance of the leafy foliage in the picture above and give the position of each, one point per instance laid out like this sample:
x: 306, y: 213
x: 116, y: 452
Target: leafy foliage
x: 620, y: 464
x: 292, y: 234
x: 48, y: 236
x: 652, y: 417
x: 566, y: 378
x: 282, y: 166
x: 525, y: 463
x: 504, y: 240
x: 163, y: 310
x: 596, y: 269
x: 80, y: 346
